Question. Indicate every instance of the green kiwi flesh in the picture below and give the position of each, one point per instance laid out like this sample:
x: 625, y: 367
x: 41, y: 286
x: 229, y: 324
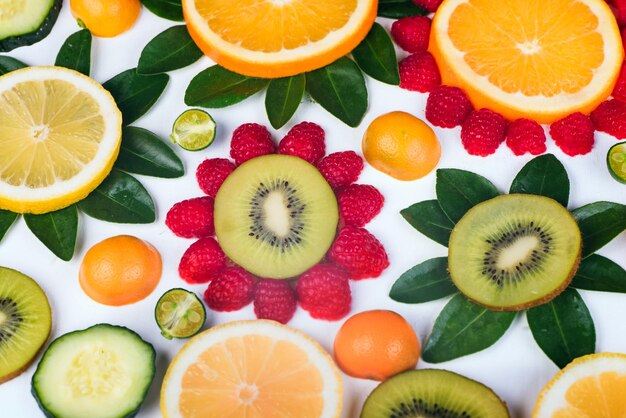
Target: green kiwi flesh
x: 276, y: 216
x: 431, y: 393
x: 514, y: 251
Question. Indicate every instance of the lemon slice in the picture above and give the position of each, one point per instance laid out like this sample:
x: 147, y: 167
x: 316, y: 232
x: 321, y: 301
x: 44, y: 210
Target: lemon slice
x: 60, y: 133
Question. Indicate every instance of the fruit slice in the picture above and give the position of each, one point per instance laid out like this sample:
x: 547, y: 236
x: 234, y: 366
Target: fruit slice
x: 179, y: 314
x: 616, y: 161
x: 433, y: 394
x: 258, y: 369
x: 525, y: 58
x: 102, y: 372
x: 276, y: 216
x: 514, y: 251
x: 25, y: 22
x: 25, y: 322
x: 193, y: 130
x: 269, y: 39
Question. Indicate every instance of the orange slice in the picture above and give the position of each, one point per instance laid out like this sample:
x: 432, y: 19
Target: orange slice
x: 278, y: 38
x: 529, y: 58
x: 251, y: 369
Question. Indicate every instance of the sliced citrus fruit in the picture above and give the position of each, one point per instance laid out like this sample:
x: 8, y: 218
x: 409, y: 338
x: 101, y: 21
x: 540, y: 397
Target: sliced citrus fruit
x: 193, y: 130
x: 616, y: 161
x: 529, y: 58
x: 270, y: 38
x: 60, y: 133
x: 255, y: 369
x: 179, y: 314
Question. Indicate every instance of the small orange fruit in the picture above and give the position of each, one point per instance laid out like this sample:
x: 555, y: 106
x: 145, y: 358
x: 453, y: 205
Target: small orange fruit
x: 106, y: 18
x: 376, y: 345
x: 120, y: 270
x: 401, y: 145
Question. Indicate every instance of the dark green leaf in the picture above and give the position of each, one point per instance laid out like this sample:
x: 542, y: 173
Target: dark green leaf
x: 340, y: 89
x: 458, y: 191
x: 563, y: 328
x: 167, y: 9
x: 428, y: 218
x: 8, y: 64
x: 396, y: 9
x: 75, y: 53
x: 544, y: 176
x: 464, y: 328
x: 135, y: 94
x: 57, y: 230
x: 120, y: 199
x: 427, y: 281
x: 6, y: 220
x: 283, y: 98
x: 599, y: 223
x: 143, y: 152
x: 376, y: 56
x: 600, y: 273
x: 169, y: 50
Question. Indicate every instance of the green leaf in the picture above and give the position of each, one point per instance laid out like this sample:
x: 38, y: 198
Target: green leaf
x: 7, y: 219
x: 218, y: 87
x: 544, y: 176
x: 376, y: 56
x: 458, y: 191
x: 143, y: 152
x: 427, y: 281
x: 283, y: 98
x: 340, y: 89
x: 75, y: 52
x: 599, y: 223
x: 169, y: 50
x: 135, y: 94
x: 429, y: 219
x: 56, y: 230
x: 464, y: 328
x: 599, y: 273
x: 167, y: 9
x: 121, y: 199
x: 563, y: 328
x: 397, y: 9
x: 8, y: 64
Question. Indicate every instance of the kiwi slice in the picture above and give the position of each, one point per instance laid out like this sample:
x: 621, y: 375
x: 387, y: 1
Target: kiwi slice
x: 25, y: 322
x: 276, y: 216
x: 433, y: 393
x: 514, y: 251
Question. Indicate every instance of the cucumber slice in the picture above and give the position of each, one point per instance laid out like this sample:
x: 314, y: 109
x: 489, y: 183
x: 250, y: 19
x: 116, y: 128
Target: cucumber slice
x: 24, y: 22
x: 616, y: 161
x: 100, y: 372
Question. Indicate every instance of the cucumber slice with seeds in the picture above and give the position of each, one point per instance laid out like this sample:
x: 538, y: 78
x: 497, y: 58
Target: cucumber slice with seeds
x: 179, y: 314
x: 616, y: 161
x: 25, y: 22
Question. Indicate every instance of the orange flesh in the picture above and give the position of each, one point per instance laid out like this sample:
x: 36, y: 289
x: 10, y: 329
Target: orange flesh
x: 599, y: 396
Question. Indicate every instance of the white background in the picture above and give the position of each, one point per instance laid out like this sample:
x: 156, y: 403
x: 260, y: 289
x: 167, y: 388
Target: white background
x: 514, y: 367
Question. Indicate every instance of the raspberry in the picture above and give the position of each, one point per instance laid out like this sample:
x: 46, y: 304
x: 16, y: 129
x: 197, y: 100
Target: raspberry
x: 202, y: 261
x: 411, y: 33
x: 525, y: 135
x: 448, y: 107
x: 620, y: 12
x: 211, y: 174
x: 359, y: 252
x: 192, y: 218
x: 574, y: 134
x: 324, y: 291
x: 483, y: 132
x: 610, y: 117
x: 359, y: 204
x: 619, y: 92
x: 341, y: 169
x: 419, y: 72
x: 250, y: 140
x: 430, y: 5
x: 305, y: 140
x: 274, y: 299
x: 230, y: 290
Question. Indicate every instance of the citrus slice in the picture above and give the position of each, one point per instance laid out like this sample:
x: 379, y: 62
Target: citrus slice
x: 193, y: 130
x: 60, y: 133
x: 179, y: 314
x: 270, y: 38
x: 254, y: 369
x: 529, y: 58
x: 616, y: 161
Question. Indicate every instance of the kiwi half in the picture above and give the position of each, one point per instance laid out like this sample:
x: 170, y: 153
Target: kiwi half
x: 514, y: 251
x: 276, y: 216
x: 433, y: 393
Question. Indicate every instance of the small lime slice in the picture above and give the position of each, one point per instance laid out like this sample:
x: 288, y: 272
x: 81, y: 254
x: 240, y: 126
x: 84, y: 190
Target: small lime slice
x: 179, y: 314
x: 616, y: 160
x: 193, y: 130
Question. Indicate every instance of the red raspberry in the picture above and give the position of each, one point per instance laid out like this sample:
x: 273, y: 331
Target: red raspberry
x: 359, y: 252
x: 202, y: 261
x: 430, y: 5
x: 610, y: 117
x: 250, y: 140
x: 525, y: 135
x: 411, y: 33
x: 620, y: 12
x: 211, y: 174
x: 324, y: 291
x: 274, y: 299
x: 230, y: 290
x: 359, y: 204
x: 192, y: 218
x: 341, y: 169
x: 574, y: 134
x: 619, y: 92
x: 448, y: 107
x: 483, y: 132
x: 419, y: 72
x: 305, y: 140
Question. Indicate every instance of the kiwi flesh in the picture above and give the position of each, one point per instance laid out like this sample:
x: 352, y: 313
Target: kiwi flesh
x: 514, y: 252
x: 431, y: 393
x: 276, y: 216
